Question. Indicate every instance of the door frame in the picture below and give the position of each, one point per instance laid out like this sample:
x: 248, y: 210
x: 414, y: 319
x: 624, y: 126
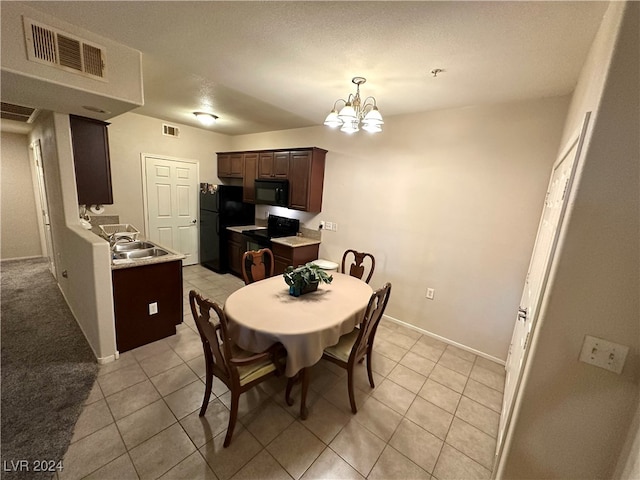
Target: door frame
x: 145, y: 198
x: 577, y: 140
x: 42, y: 203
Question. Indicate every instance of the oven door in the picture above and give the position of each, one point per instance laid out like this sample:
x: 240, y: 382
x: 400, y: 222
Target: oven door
x: 253, y: 245
x: 272, y: 192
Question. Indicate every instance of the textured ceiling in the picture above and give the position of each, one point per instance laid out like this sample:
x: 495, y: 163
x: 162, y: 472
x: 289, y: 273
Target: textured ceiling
x: 263, y: 66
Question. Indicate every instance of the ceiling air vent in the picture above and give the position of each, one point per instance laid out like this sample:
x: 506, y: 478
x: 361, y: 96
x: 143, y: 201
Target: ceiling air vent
x: 63, y: 50
x: 18, y: 113
x: 170, y: 130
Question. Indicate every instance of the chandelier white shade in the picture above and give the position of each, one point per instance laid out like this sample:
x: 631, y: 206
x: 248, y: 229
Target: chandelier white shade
x: 355, y: 113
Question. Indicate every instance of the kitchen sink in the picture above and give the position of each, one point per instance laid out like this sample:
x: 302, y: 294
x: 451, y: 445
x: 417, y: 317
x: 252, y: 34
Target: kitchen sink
x: 141, y: 253
x: 129, y: 246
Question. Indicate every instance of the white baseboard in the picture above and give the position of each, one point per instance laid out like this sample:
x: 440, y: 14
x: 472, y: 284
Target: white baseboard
x: 446, y: 340
x: 109, y: 359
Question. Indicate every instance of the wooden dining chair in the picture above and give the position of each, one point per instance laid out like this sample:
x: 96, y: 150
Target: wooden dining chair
x: 239, y: 369
x: 355, y: 345
x: 357, y: 267
x: 257, y: 265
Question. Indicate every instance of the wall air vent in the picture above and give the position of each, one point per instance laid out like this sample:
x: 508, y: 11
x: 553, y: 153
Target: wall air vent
x: 18, y: 113
x: 170, y: 130
x: 63, y: 50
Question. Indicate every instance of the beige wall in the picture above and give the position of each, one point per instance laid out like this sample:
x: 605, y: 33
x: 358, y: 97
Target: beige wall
x: 19, y: 234
x: 628, y: 467
x: 130, y: 135
x: 27, y: 82
x: 83, y: 264
x: 449, y: 199
x: 572, y: 418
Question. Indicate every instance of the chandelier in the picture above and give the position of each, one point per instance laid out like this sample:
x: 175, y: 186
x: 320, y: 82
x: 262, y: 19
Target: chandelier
x: 356, y: 112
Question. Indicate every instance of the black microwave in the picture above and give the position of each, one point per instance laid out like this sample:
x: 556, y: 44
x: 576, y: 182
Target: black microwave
x: 272, y: 192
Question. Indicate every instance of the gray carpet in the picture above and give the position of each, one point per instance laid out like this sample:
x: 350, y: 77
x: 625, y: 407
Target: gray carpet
x: 48, y: 369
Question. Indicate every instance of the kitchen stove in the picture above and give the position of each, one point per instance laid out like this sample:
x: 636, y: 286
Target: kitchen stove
x: 276, y: 227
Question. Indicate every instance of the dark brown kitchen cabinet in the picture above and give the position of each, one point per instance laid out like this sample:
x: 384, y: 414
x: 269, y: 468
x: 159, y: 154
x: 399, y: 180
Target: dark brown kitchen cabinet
x: 303, y: 167
x: 230, y: 165
x: 236, y: 246
x: 249, y: 176
x: 91, y: 160
x: 306, y: 179
x: 283, y: 256
x: 137, y: 291
x: 273, y: 165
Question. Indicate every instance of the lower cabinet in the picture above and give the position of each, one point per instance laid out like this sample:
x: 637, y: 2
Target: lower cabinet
x: 283, y: 256
x: 135, y: 291
x: 236, y: 247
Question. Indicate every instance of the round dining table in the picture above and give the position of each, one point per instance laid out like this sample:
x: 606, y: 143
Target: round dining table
x: 263, y: 313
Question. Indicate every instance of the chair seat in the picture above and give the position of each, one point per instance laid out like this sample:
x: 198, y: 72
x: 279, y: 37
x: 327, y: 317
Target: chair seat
x: 249, y: 373
x: 342, y: 349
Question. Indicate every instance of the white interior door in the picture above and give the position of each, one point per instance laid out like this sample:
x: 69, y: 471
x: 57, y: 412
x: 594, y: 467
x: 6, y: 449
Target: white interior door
x: 544, y: 248
x: 172, y: 204
x: 44, y: 206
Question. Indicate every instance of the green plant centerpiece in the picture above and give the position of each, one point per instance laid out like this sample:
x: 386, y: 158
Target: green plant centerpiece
x: 305, y: 278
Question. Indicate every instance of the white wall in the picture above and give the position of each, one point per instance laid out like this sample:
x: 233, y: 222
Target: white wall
x: 130, y: 135
x: 19, y: 233
x: 573, y: 418
x: 82, y: 256
x: 448, y: 199
x: 628, y: 467
x: 29, y: 83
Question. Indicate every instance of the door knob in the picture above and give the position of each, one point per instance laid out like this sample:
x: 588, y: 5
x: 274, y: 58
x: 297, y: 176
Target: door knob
x: 194, y: 221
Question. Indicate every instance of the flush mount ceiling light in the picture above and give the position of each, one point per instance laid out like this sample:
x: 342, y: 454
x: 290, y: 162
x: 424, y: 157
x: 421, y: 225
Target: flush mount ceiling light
x: 206, y: 118
x: 356, y: 112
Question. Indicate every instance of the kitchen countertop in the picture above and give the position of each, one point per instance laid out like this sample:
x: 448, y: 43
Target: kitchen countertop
x: 295, y: 241
x: 292, y: 241
x: 129, y: 263
x: 240, y: 228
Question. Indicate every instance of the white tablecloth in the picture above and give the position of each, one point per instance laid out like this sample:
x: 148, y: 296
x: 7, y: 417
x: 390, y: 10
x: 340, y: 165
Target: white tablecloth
x: 263, y: 313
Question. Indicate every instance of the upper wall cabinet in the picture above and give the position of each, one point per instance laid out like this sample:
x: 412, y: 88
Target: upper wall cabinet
x: 306, y: 179
x: 273, y: 165
x: 303, y: 167
x: 91, y: 160
x: 250, y: 172
x: 230, y: 165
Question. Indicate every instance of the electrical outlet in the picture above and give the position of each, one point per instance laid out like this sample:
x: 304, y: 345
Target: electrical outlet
x: 153, y: 308
x: 603, y: 353
x: 322, y: 227
x: 430, y: 293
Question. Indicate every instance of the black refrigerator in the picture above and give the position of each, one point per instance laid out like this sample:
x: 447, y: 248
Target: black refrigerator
x: 221, y: 206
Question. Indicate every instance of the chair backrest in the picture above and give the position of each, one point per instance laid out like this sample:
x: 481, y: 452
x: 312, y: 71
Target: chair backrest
x: 370, y: 321
x: 357, y: 268
x: 257, y: 265
x: 214, y: 336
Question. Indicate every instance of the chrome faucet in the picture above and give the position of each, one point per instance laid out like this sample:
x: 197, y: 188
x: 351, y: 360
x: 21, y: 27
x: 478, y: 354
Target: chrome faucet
x: 122, y: 239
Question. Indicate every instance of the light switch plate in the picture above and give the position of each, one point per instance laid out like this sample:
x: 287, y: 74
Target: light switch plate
x: 153, y: 308
x: 604, y: 354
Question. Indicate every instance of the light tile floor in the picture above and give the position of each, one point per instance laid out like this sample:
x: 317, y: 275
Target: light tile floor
x: 433, y: 414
